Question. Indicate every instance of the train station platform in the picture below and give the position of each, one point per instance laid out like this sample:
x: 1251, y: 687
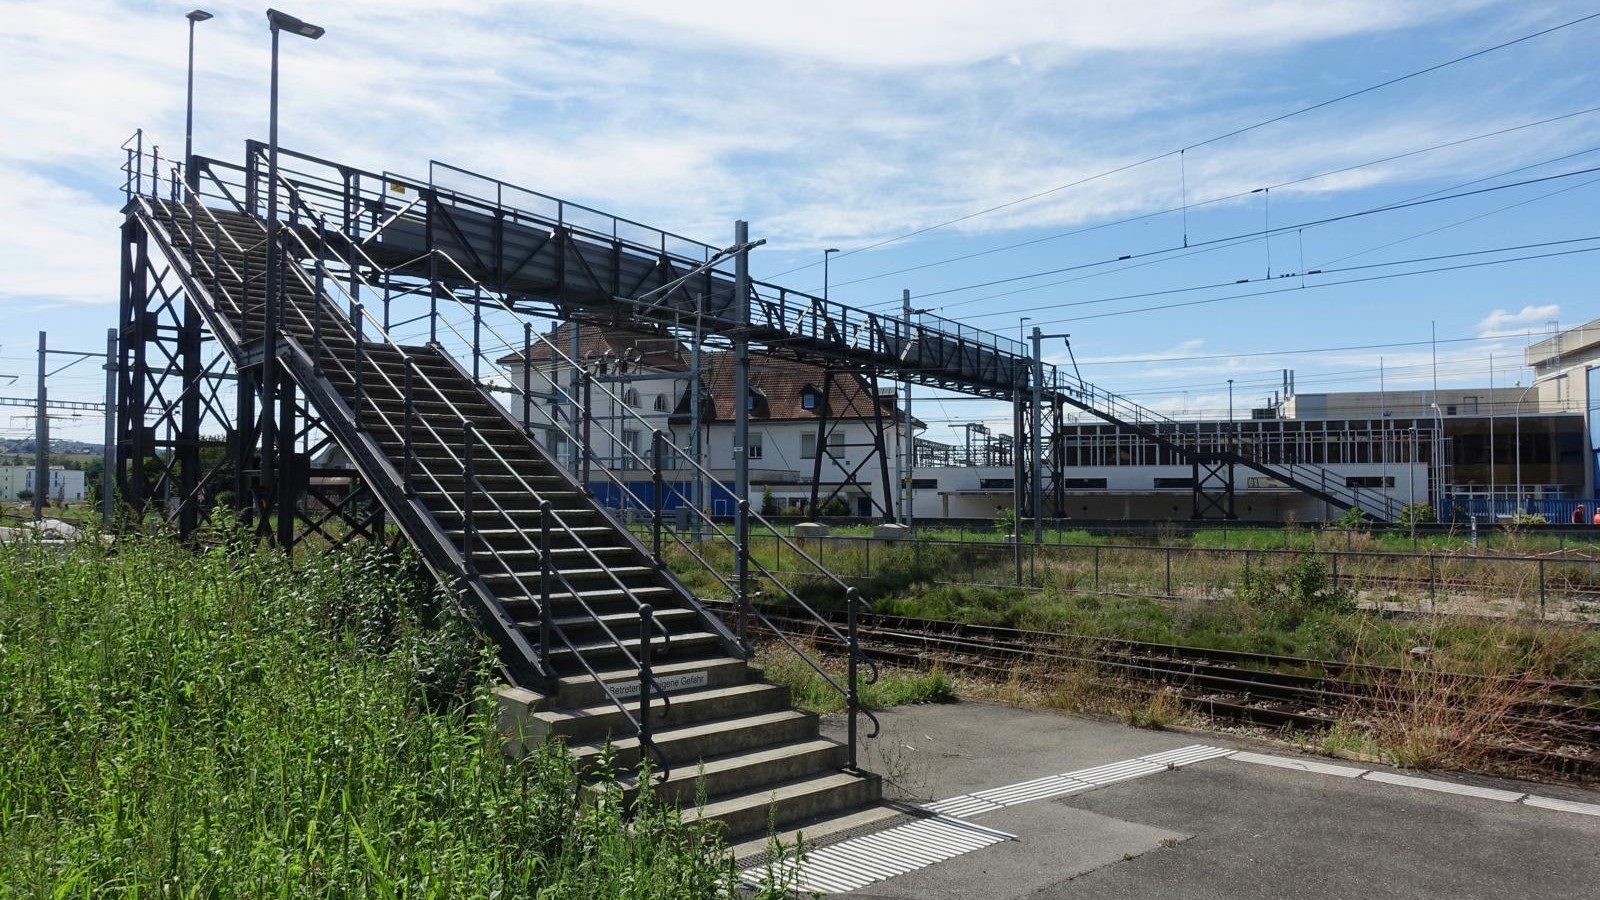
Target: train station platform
x: 999, y: 802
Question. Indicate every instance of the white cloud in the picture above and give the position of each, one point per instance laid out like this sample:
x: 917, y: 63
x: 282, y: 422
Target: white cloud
x: 1504, y: 323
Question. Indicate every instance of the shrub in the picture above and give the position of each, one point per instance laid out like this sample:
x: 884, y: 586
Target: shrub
x: 1287, y: 600
x: 1416, y: 514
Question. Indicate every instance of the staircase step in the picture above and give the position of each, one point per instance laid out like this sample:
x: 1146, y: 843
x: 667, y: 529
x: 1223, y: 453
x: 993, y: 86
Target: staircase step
x: 786, y: 802
x: 598, y: 653
x: 693, y: 674
x: 649, y: 593
x: 617, y: 621
x: 593, y: 723
x: 734, y: 773
x: 688, y: 744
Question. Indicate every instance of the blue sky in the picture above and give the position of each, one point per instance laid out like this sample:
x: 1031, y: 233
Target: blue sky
x: 846, y: 125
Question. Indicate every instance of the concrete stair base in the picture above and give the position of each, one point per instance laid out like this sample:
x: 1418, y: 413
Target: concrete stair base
x: 738, y: 754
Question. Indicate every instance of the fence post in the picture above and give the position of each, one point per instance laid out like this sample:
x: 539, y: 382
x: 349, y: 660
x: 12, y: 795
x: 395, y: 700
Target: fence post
x: 1333, y: 556
x: 656, y: 456
x: 1097, y: 568
x: 1433, y: 577
x: 852, y: 702
x: 646, y: 628
x: 1541, y: 588
x: 527, y: 376
x: 584, y: 432
x: 742, y: 568
x: 361, y: 352
x: 1169, y: 570
x: 467, y: 479
x: 545, y: 612
x: 410, y: 413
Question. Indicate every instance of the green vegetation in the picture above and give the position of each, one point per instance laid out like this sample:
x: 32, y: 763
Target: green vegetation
x: 894, y: 687
x: 1280, y: 603
x: 221, y: 723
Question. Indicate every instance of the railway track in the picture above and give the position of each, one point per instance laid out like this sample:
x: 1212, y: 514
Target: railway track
x: 1545, y: 725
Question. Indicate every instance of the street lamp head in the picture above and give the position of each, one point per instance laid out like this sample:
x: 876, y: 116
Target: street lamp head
x: 281, y: 21
x: 830, y: 250
x: 198, y: 15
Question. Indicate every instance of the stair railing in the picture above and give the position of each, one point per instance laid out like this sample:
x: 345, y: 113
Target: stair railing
x: 326, y: 355
x: 583, y: 435
x: 472, y: 453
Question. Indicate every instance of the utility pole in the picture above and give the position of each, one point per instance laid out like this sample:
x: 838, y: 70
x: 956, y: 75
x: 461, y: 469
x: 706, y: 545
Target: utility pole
x: 41, y: 440
x: 907, y: 501
x: 741, y: 421
x: 1035, y: 439
x: 109, y: 454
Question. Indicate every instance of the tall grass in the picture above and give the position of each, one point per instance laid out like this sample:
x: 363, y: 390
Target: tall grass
x: 223, y: 723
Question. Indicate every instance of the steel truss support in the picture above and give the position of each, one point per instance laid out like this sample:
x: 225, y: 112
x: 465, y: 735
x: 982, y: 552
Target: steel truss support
x: 851, y: 388
x: 180, y: 449
x: 1213, y: 487
x: 1050, y: 472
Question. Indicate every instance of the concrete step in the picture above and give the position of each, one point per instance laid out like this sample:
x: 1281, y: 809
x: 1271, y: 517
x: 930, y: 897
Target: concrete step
x: 688, y: 744
x: 592, y: 723
x: 779, y: 804
x: 584, y: 628
x: 694, y: 674
x: 817, y: 830
x: 736, y: 773
x: 601, y: 652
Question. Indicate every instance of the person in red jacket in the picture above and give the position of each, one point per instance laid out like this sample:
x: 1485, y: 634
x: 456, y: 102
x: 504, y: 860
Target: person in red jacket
x: 1577, y: 514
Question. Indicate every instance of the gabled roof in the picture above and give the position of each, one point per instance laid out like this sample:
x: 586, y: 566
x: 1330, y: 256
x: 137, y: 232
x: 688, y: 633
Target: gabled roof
x: 660, y: 351
x: 779, y: 387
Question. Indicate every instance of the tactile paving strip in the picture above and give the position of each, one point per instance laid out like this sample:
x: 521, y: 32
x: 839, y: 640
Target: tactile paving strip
x: 856, y: 863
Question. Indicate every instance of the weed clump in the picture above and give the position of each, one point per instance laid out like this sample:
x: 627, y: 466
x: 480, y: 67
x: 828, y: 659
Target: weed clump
x: 1288, y: 600
x: 228, y: 723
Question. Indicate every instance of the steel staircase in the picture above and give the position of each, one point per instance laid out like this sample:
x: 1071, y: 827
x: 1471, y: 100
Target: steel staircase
x: 1137, y: 419
x: 603, y: 643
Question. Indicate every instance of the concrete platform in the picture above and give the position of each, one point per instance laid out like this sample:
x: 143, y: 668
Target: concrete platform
x: 1266, y: 824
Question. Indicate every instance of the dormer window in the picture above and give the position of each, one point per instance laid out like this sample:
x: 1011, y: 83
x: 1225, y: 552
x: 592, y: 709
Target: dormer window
x: 808, y: 397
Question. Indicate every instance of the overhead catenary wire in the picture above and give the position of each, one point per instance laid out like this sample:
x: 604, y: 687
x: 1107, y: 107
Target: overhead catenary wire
x: 1211, y: 140
x: 1234, y: 195
x: 1172, y: 254
x: 1254, y: 235
x: 1364, y: 280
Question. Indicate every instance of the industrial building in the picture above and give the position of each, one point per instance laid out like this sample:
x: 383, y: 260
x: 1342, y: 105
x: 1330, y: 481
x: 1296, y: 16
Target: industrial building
x: 66, y: 485
x: 1469, y: 452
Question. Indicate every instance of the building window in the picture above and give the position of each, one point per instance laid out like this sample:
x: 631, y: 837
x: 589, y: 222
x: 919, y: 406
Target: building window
x: 808, y: 397
x: 630, y: 397
x: 1369, y: 481
x: 1173, y: 483
x: 753, y: 448
x: 661, y: 403
x: 924, y: 484
x: 996, y: 484
x: 1084, y: 484
x: 808, y: 446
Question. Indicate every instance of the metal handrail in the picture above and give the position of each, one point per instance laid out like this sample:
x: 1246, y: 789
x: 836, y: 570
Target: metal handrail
x: 318, y: 299
x: 299, y: 203
x: 853, y: 596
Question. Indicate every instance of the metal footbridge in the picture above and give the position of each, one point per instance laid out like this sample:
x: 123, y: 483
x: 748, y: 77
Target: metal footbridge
x: 549, y: 257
